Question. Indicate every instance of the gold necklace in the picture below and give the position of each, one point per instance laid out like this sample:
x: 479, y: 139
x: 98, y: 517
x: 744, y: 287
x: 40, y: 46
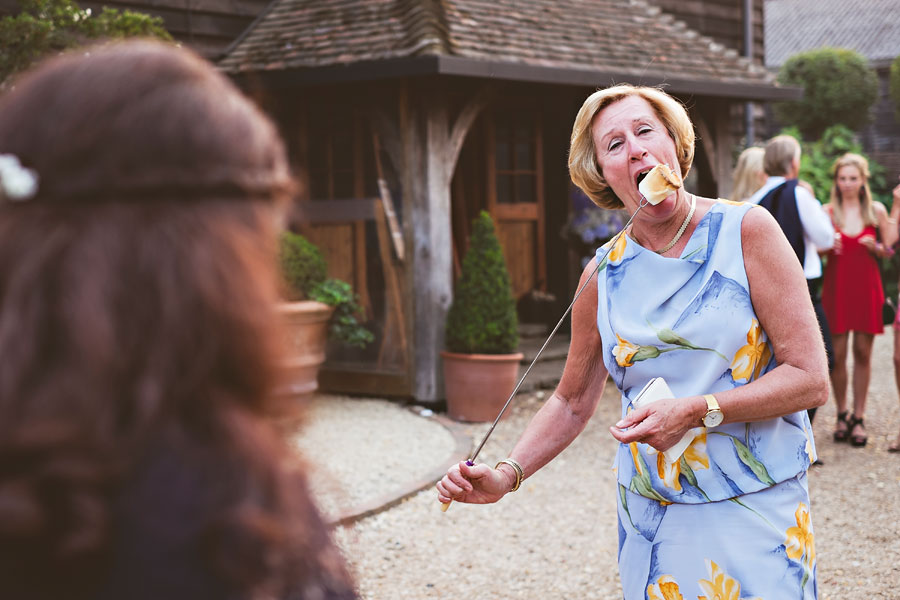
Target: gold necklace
x: 680, y: 229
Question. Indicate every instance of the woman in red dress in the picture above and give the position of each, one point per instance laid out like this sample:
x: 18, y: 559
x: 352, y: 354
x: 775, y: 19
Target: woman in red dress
x: 852, y: 293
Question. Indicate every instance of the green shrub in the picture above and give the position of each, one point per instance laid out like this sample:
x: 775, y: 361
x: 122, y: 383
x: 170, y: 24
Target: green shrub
x: 47, y: 26
x: 305, y: 274
x: 839, y: 88
x: 895, y: 86
x: 302, y: 265
x: 482, y: 318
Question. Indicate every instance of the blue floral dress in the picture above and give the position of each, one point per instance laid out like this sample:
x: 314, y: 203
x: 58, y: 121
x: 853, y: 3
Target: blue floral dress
x: 730, y: 519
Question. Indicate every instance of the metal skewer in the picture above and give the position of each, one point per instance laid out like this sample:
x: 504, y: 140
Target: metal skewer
x: 471, y: 460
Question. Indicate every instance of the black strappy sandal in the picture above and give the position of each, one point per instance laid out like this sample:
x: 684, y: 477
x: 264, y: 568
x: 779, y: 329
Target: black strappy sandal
x: 841, y: 435
x: 857, y: 440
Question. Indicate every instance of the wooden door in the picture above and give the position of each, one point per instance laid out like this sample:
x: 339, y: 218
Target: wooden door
x: 338, y: 164
x: 515, y: 195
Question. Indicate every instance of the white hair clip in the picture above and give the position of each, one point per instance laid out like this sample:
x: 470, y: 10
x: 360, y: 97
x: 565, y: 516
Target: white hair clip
x: 17, y: 183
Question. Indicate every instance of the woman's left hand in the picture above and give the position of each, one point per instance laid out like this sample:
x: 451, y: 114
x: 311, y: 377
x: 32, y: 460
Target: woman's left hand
x: 660, y: 424
x: 870, y: 243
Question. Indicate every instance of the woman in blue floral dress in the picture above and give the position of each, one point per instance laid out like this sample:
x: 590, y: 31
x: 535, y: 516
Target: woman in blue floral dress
x: 709, y: 296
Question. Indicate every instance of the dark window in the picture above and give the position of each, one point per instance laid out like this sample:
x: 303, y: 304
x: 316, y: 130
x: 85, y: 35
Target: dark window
x: 514, y: 157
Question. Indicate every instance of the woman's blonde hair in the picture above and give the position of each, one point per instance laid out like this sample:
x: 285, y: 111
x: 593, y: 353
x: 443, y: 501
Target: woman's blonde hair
x: 866, y: 209
x: 748, y: 173
x: 583, y: 167
x: 781, y: 151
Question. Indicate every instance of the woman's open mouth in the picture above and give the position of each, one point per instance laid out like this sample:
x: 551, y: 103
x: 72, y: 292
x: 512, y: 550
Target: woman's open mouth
x: 640, y: 176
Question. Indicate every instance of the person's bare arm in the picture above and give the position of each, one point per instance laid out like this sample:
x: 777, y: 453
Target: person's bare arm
x: 886, y: 231
x: 781, y: 301
x: 567, y: 411
x: 556, y: 424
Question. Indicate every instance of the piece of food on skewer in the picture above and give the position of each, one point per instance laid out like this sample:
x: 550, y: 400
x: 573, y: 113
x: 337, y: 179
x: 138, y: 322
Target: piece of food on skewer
x: 659, y: 183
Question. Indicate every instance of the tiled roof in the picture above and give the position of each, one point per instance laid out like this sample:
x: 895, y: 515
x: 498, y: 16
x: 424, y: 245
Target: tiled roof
x: 871, y: 27
x: 579, y: 40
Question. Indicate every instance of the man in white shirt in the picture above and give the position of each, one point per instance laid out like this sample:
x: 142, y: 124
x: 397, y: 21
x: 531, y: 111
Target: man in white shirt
x: 802, y: 218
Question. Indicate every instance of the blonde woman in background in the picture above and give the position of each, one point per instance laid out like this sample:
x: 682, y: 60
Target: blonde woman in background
x: 852, y: 293
x: 749, y: 175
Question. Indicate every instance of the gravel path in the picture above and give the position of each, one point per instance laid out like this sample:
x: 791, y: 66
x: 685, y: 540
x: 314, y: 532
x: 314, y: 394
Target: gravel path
x: 556, y: 537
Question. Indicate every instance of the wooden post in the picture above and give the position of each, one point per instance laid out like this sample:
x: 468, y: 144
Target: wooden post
x: 714, y: 128
x: 424, y: 144
x: 724, y: 145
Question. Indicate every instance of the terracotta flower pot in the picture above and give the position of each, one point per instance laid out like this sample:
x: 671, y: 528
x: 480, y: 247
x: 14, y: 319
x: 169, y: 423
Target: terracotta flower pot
x: 305, y: 336
x: 477, y: 385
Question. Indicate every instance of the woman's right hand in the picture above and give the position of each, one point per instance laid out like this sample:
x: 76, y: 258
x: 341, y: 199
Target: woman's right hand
x: 838, y: 244
x: 474, y: 485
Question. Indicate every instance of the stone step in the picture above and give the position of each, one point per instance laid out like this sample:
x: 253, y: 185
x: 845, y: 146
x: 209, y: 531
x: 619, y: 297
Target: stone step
x: 558, y: 348
x: 532, y: 330
x: 544, y: 376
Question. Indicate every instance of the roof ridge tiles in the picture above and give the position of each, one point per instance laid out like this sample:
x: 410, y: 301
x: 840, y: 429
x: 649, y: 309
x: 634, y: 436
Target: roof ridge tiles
x: 427, y: 21
x: 629, y: 37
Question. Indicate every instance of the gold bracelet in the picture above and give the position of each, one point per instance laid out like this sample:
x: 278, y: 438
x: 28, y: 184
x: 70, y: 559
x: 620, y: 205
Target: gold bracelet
x: 520, y: 474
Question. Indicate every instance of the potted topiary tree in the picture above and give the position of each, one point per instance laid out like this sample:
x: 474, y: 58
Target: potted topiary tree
x: 317, y: 308
x: 481, y: 364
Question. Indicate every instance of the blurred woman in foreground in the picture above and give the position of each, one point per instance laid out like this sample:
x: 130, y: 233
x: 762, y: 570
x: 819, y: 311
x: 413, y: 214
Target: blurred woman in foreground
x: 139, y: 195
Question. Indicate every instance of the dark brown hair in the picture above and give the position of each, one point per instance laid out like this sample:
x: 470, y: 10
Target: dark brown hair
x: 137, y: 329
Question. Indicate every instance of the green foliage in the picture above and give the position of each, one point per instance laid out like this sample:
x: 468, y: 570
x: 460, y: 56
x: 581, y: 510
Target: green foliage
x: 44, y: 27
x: 840, y: 88
x: 345, y: 325
x: 482, y: 317
x: 895, y: 86
x: 302, y: 265
x: 305, y: 274
x: 817, y: 160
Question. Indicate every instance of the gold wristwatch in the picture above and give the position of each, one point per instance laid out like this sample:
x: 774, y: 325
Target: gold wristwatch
x: 714, y: 415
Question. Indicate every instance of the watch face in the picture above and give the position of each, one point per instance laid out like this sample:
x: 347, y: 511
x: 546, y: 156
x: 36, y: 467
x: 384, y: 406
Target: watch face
x: 713, y: 418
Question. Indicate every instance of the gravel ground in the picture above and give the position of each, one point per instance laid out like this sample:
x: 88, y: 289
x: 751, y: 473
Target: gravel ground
x: 362, y: 449
x: 556, y: 537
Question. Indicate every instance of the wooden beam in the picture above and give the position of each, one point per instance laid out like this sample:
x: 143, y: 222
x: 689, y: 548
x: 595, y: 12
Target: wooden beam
x: 335, y: 211
x: 423, y: 143
x: 724, y: 144
x: 466, y: 118
x: 705, y: 133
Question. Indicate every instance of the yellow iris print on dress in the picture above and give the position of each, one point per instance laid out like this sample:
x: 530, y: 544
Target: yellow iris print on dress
x: 665, y: 588
x: 810, y: 451
x: 720, y: 585
x: 618, y: 251
x: 695, y: 456
x: 751, y: 358
x: 627, y: 353
x: 799, y: 542
x: 624, y: 352
x: 634, y: 456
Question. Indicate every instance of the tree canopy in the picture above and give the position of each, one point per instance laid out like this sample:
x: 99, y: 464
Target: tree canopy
x: 895, y: 85
x: 839, y: 89
x: 45, y: 27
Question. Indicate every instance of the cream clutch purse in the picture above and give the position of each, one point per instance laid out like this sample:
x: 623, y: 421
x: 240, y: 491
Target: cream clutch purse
x: 657, y: 389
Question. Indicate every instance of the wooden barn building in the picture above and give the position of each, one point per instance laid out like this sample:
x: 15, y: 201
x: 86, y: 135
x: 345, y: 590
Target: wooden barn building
x: 458, y: 106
